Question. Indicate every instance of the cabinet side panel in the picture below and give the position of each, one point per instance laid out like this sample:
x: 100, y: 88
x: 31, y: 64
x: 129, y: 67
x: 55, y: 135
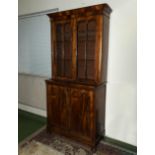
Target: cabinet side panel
x: 53, y: 66
x: 100, y: 109
x: 47, y: 104
x: 105, y: 46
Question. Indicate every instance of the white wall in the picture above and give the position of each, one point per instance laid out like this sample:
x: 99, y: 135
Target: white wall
x: 31, y: 6
x: 121, y: 87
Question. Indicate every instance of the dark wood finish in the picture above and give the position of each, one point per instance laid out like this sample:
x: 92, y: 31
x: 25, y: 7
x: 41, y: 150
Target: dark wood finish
x: 73, y: 108
x: 76, y: 92
x: 80, y: 44
x: 63, y: 55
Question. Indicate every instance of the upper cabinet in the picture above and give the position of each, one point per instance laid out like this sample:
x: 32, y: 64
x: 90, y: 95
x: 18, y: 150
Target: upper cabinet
x: 80, y: 44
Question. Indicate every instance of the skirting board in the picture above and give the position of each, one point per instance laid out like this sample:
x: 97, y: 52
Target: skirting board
x: 32, y: 109
x: 119, y: 144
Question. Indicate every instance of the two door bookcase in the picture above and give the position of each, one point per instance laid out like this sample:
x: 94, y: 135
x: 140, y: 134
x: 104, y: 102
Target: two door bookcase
x: 76, y: 90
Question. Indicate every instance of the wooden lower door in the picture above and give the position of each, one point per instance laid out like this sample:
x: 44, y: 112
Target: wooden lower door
x: 82, y: 123
x: 58, y: 107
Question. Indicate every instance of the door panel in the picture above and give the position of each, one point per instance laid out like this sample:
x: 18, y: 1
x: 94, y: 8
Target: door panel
x: 64, y: 107
x: 86, y: 48
x: 82, y: 120
x: 81, y: 49
x: 53, y: 105
x: 67, y: 50
x: 58, y: 106
x: 91, y: 48
x: 63, y: 34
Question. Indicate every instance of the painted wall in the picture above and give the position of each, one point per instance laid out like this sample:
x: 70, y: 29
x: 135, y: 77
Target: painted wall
x: 121, y: 87
x: 34, y: 46
x: 32, y: 91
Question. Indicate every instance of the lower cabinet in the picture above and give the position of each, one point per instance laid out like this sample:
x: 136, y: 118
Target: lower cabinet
x: 71, y: 111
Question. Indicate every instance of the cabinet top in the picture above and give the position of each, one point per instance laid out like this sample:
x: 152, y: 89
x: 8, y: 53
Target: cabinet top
x: 86, y: 11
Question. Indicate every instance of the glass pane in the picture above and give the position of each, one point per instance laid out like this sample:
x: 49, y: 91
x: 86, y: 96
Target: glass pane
x: 90, y: 53
x: 67, y: 50
x: 81, y: 69
x: 59, y: 68
x: 67, y: 32
x: 68, y: 68
x: 59, y: 49
x: 90, y: 50
x: 82, y: 30
x: 90, y: 69
x: 59, y: 32
x: 81, y: 49
x: 91, y: 39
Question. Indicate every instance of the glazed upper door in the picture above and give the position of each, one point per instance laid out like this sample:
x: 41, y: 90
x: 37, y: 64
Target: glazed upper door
x: 82, y: 113
x: 58, y: 106
x: 77, y: 49
x: 63, y: 55
x: 88, y: 45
